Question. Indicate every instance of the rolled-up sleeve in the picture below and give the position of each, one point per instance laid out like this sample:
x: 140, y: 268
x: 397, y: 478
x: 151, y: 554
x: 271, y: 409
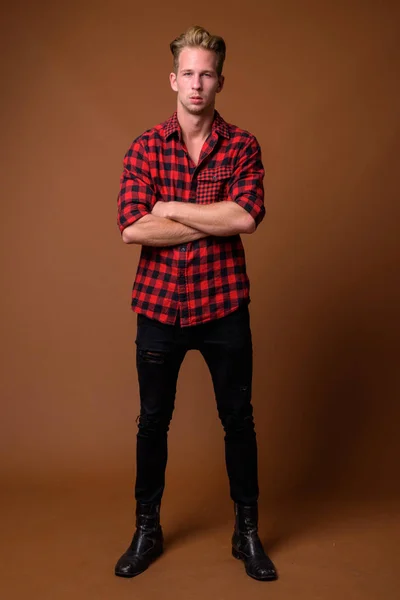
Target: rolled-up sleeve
x: 136, y: 195
x: 247, y: 188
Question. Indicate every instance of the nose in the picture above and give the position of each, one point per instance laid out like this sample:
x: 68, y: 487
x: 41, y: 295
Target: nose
x: 196, y: 82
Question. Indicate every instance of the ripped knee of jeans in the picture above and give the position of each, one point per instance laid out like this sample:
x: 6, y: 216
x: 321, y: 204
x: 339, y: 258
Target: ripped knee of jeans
x: 151, y: 356
x: 238, y: 425
x: 153, y: 424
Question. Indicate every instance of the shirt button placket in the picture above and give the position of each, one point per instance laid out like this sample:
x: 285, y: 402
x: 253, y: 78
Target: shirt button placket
x: 193, y: 188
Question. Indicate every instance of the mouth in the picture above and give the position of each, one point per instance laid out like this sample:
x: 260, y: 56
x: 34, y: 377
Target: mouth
x: 196, y: 99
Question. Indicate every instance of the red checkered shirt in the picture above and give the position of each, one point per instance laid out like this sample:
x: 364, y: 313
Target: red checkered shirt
x: 205, y: 279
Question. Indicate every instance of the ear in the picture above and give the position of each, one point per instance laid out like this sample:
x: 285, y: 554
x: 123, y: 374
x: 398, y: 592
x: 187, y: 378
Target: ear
x: 172, y: 80
x: 221, y: 81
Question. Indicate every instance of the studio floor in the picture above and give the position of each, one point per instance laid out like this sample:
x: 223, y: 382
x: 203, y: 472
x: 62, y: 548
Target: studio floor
x: 61, y: 541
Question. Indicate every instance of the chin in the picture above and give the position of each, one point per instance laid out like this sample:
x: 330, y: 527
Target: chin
x: 197, y: 110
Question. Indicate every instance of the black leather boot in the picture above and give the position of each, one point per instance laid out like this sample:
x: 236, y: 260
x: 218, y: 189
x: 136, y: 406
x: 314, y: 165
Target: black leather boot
x: 147, y: 542
x: 247, y: 546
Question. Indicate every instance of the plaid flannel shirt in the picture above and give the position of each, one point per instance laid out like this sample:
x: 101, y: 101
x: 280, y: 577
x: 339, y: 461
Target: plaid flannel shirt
x: 205, y: 279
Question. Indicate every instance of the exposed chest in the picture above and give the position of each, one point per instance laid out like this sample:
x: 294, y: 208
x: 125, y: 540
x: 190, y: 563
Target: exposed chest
x: 194, y: 150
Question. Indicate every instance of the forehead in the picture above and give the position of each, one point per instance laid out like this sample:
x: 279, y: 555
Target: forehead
x: 197, y: 58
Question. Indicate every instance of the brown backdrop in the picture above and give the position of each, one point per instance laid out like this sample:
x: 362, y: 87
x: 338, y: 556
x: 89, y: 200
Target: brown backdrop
x: 318, y: 84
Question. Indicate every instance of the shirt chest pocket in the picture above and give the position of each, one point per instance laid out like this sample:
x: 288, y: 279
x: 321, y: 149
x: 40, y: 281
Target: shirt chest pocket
x: 213, y: 185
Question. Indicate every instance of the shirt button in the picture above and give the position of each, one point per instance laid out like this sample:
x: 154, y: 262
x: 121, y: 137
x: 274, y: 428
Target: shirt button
x: 183, y: 248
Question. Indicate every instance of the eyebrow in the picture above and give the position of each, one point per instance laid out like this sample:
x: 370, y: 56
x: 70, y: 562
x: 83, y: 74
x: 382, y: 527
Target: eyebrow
x: 206, y: 71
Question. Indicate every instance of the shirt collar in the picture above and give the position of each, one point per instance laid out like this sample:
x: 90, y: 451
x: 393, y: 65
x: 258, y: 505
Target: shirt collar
x: 219, y: 126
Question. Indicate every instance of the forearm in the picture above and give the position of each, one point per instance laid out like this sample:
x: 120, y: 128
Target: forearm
x: 151, y: 230
x: 219, y: 219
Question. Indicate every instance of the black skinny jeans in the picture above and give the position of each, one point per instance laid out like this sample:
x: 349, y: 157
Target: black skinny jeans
x: 227, y: 349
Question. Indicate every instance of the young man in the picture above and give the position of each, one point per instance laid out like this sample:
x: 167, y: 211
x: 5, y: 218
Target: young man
x: 189, y: 187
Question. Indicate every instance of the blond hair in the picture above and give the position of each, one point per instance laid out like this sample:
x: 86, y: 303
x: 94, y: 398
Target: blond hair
x: 198, y: 37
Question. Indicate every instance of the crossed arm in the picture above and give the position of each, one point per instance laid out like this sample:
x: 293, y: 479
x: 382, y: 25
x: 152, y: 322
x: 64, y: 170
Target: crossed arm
x: 172, y: 223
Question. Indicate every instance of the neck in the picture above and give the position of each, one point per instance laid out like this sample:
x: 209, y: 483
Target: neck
x: 195, y: 127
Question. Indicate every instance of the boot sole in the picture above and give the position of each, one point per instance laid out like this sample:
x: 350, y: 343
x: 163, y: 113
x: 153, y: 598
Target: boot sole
x: 239, y: 556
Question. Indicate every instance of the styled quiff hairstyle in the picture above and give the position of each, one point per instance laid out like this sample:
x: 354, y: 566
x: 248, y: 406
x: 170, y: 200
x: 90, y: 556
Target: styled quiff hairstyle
x: 198, y: 37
